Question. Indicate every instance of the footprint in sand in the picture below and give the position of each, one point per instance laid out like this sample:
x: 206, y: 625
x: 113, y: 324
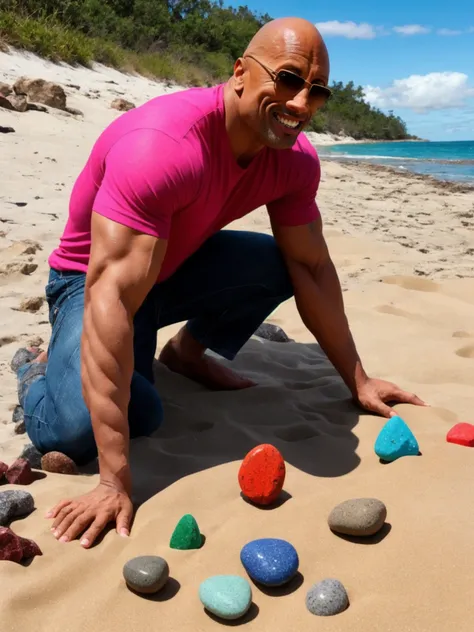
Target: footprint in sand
x: 412, y: 283
x: 462, y: 334
x: 296, y: 432
x: 466, y: 352
x: 395, y: 311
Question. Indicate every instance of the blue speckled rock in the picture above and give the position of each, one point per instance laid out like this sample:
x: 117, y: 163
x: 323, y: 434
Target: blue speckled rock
x: 226, y: 596
x: 270, y: 561
x: 396, y: 440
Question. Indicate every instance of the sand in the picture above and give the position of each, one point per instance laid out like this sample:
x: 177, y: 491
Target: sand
x: 403, y: 247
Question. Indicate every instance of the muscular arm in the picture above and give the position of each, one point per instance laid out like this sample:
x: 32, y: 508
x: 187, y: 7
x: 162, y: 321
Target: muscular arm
x: 123, y: 267
x: 319, y: 298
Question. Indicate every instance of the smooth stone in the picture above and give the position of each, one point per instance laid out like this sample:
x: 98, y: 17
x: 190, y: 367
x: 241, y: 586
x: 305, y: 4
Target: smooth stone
x: 186, y: 534
x: 270, y: 561
x: 462, y: 434
x: 269, y: 331
x: 32, y: 455
x: 326, y: 598
x: 396, y: 440
x: 19, y: 473
x: 226, y: 596
x: 262, y: 474
x: 146, y: 573
x: 358, y: 517
x: 58, y: 463
x: 15, y: 503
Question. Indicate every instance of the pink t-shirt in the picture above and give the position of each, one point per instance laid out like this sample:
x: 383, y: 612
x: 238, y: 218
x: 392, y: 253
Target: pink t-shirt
x: 166, y: 169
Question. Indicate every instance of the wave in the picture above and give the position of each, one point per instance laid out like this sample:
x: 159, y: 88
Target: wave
x: 440, y: 161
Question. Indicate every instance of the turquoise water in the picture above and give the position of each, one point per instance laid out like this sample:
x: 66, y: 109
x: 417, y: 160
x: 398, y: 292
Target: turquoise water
x: 442, y: 160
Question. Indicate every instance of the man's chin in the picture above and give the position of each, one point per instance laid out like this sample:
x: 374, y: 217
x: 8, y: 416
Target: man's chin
x: 277, y: 141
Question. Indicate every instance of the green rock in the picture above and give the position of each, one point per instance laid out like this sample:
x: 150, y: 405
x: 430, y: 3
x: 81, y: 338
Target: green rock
x: 186, y: 534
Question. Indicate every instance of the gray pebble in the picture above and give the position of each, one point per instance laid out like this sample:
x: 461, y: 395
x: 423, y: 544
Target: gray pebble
x: 32, y: 455
x: 17, y: 415
x: 146, y: 573
x: 20, y: 427
x: 326, y: 598
x: 272, y: 332
x: 358, y: 517
x: 15, y: 503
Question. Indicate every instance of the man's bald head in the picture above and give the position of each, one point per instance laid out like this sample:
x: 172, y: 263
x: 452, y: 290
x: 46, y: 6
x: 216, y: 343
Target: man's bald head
x: 279, y: 37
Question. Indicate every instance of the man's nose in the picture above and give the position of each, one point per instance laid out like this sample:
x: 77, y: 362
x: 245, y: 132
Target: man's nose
x: 299, y: 103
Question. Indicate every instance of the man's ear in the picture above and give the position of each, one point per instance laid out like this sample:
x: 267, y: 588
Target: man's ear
x: 239, y: 72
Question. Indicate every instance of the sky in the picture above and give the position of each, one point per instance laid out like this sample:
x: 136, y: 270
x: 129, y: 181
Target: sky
x: 415, y: 57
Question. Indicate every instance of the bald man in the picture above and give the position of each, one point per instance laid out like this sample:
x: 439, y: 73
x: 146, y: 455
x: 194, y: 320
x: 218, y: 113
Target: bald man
x: 144, y: 247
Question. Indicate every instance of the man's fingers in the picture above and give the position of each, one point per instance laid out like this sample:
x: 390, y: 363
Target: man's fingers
x: 52, y: 513
x: 124, y: 520
x: 94, y: 531
x: 411, y: 398
x: 62, y: 530
x: 380, y: 408
x: 61, y: 516
x: 82, y: 521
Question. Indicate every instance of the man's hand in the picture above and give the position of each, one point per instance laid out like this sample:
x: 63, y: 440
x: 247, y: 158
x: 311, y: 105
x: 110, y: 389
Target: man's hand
x: 374, y: 394
x: 89, y: 514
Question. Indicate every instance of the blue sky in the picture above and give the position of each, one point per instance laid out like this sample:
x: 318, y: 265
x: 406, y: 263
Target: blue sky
x: 415, y: 57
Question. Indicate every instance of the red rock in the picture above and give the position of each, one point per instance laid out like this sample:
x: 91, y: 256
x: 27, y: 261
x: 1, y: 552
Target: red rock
x: 19, y: 473
x: 15, y: 548
x: 462, y: 434
x: 262, y: 474
x: 3, y: 469
x: 58, y: 463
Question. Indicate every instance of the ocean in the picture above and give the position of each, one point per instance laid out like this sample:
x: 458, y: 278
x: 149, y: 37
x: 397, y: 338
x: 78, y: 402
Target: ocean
x: 442, y: 160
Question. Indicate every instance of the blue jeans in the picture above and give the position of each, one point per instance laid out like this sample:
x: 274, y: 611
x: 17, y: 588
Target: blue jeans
x: 224, y: 291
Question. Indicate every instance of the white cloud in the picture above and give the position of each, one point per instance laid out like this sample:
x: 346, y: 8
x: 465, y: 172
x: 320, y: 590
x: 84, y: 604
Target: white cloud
x: 411, y: 29
x: 448, y: 32
x: 470, y: 29
x: 435, y: 91
x: 350, y: 30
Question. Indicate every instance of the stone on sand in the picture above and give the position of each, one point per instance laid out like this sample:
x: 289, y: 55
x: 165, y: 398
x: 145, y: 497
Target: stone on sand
x: 19, y: 473
x: 122, y: 105
x: 41, y: 91
x: 32, y: 455
x: 270, y: 561
x: 358, y: 517
x: 15, y: 503
x: 226, y: 596
x: 186, y: 534
x: 396, y: 440
x: 146, y: 574
x: 461, y: 434
x: 272, y: 332
x: 58, y: 463
x: 327, y: 598
x: 262, y: 474
x: 15, y: 548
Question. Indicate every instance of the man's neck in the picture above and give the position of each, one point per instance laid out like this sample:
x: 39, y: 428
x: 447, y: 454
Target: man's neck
x: 241, y: 138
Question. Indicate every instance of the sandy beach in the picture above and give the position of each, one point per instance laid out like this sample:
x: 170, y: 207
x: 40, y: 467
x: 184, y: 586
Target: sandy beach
x: 403, y: 246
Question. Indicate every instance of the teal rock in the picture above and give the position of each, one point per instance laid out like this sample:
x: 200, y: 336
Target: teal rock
x: 396, y: 440
x: 226, y: 596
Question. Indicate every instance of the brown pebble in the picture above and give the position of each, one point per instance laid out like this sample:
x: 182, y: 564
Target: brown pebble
x: 58, y: 463
x: 19, y: 473
x: 32, y: 304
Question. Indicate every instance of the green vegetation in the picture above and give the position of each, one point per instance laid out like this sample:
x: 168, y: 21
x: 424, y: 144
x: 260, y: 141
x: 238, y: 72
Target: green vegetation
x: 192, y: 42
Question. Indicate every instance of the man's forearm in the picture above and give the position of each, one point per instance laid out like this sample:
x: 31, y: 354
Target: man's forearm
x: 320, y: 303
x: 107, y: 367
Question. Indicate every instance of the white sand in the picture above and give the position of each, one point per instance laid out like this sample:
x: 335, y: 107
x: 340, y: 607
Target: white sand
x: 403, y: 248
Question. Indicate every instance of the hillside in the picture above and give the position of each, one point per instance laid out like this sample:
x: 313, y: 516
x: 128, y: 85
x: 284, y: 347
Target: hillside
x: 192, y: 42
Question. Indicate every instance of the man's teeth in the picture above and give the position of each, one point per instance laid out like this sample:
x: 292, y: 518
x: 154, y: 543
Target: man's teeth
x: 287, y: 122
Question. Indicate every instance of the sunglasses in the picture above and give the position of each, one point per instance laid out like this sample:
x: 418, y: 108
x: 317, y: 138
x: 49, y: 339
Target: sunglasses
x: 294, y: 83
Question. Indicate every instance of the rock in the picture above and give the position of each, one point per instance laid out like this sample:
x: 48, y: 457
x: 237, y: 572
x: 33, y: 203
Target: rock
x: 6, y: 130
x: 326, y: 598
x: 21, y: 357
x: 268, y: 331
x: 36, y: 341
x: 122, y: 105
x: 186, y: 534
x: 358, y: 517
x: 17, y: 414
x: 462, y: 434
x: 19, y: 473
x: 20, y: 427
x: 5, y: 103
x: 36, y: 108
x: 32, y: 455
x: 146, y: 574
x: 31, y: 304
x: 19, y: 102
x: 262, y: 474
x: 58, y: 463
x: 270, y: 561
x: 74, y: 111
x: 5, y: 89
x: 226, y: 596
x: 15, y: 548
x: 3, y: 469
x: 396, y: 440
x: 15, y: 503
x: 41, y: 91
